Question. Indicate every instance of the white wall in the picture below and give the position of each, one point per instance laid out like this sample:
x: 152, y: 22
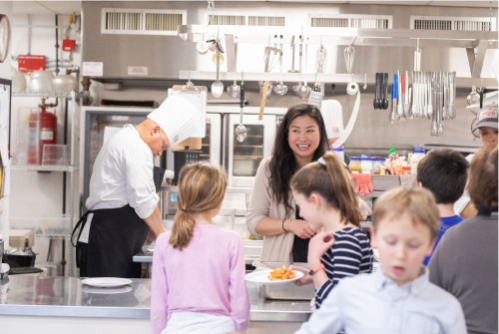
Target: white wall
x: 5, y: 9
x: 33, y: 194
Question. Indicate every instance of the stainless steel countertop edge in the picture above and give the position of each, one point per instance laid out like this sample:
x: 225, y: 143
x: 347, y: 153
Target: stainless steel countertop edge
x: 75, y: 311
x: 130, y: 313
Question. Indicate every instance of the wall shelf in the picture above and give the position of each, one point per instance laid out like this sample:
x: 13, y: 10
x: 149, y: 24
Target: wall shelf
x: 67, y: 95
x: 44, y: 168
x: 348, y: 36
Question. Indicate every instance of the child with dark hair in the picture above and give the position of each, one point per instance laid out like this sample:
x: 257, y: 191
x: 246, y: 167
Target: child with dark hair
x: 444, y: 172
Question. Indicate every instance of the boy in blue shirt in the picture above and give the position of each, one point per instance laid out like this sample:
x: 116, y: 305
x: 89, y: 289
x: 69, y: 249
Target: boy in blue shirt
x: 398, y: 297
x: 444, y: 172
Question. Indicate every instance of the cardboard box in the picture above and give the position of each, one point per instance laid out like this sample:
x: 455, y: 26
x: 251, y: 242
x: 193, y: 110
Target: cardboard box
x: 192, y: 144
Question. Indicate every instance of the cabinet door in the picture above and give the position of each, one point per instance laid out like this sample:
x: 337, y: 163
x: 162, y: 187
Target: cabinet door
x: 245, y: 157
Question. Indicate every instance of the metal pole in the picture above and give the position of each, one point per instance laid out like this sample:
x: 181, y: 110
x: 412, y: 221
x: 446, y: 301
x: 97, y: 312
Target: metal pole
x: 71, y: 180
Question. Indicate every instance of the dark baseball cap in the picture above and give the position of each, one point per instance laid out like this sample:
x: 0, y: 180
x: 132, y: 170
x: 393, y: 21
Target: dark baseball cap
x: 487, y: 117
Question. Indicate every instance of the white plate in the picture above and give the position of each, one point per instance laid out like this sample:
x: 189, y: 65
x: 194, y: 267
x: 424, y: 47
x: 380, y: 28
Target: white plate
x: 107, y: 291
x: 261, y: 277
x: 106, y: 282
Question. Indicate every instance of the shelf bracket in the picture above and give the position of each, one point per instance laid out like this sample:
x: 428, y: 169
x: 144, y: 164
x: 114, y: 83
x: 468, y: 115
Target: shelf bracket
x: 476, y: 55
x: 231, y: 53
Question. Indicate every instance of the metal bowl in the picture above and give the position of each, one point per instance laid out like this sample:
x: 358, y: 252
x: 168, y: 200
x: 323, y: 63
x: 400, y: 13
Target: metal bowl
x: 65, y: 83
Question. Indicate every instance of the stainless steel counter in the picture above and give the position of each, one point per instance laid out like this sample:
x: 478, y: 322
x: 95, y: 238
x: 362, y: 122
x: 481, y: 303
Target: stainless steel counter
x: 67, y: 297
x: 146, y: 257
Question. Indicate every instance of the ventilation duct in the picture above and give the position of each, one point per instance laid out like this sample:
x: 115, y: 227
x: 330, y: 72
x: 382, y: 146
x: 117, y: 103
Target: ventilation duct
x: 453, y: 23
x: 350, y: 21
x: 242, y: 19
x: 142, y: 21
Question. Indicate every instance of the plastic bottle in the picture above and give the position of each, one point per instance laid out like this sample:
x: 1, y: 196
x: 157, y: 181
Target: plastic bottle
x: 416, y: 158
x: 395, y: 163
x: 340, y: 153
x: 366, y: 165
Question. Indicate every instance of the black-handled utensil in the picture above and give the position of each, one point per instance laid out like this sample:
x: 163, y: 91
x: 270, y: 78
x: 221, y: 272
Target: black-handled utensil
x: 385, y: 88
x: 377, y: 97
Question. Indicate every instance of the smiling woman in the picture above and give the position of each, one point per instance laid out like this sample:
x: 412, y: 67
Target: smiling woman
x: 301, y: 139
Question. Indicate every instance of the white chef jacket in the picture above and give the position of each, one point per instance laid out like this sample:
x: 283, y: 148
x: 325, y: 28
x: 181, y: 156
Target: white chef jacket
x: 461, y: 203
x: 123, y: 174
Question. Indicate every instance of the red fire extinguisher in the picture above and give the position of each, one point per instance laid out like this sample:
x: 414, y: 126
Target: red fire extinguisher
x: 42, y: 131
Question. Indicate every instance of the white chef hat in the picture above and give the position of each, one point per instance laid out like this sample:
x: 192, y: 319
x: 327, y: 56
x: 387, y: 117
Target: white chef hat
x: 177, y: 117
x: 333, y: 118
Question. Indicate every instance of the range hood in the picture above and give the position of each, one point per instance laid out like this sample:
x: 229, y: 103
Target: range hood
x: 136, y: 41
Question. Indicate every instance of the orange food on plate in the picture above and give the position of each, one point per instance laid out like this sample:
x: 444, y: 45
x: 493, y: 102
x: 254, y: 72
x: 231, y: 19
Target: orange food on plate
x: 281, y: 274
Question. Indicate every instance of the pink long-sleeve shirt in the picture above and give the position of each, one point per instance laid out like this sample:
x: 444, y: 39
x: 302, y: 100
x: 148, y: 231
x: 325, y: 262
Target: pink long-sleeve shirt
x: 206, y: 276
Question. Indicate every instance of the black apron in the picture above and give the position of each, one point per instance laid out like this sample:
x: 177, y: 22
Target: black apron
x: 300, y: 246
x: 116, y: 235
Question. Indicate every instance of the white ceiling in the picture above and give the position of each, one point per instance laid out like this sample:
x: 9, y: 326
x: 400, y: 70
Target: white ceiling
x: 70, y: 7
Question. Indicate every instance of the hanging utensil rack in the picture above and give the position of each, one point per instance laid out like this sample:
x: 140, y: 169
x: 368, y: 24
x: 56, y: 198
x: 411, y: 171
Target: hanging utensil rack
x: 476, y: 44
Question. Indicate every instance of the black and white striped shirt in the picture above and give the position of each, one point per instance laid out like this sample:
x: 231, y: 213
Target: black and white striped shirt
x: 350, y: 255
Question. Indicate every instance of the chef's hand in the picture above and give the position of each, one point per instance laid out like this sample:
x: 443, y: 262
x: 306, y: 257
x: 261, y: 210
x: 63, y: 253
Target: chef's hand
x: 318, y: 245
x: 306, y: 279
x: 151, y: 236
x: 300, y: 228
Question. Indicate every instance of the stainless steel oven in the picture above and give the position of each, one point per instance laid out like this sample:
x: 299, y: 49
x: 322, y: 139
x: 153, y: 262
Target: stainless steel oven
x: 245, y: 157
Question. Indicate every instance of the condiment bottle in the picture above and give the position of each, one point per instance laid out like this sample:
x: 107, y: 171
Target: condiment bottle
x: 379, y: 166
x: 395, y: 163
x: 340, y: 153
x: 354, y: 165
x: 366, y: 165
x: 416, y: 158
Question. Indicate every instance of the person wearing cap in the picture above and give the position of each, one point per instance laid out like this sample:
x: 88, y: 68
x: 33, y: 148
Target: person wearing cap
x: 486, y: 128
x: 122, y: 206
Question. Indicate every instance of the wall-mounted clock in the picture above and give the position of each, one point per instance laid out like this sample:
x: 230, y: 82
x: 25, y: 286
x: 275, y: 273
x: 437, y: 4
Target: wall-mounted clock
x: 4, y: 37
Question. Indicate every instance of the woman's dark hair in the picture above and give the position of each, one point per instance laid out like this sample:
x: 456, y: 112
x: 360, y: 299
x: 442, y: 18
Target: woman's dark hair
x: 483, y: 180
x: 331, y: 182
x: 282, y: 165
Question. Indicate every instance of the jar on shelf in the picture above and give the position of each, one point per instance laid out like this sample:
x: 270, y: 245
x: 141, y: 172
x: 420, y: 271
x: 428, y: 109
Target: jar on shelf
x: 354, y: 165
x: 379, y: 166
x: 366, y: 165
x: 406, y: 170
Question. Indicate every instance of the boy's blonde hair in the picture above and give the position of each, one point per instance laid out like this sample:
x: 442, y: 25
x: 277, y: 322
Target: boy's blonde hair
x: 419, y: 204
x: 201, y: 187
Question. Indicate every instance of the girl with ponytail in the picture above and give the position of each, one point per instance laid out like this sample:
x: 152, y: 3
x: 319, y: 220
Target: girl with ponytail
x: 198, y: 268
x: 326, y: 198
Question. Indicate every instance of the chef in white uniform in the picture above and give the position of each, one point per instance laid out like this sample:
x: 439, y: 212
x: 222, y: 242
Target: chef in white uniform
x: 122, y: 206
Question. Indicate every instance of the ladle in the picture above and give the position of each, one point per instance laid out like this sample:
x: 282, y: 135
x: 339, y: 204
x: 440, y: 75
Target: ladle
x: 474, y: 97
x: 217, y: 88
x: 234, y: 90
x: 241, y: 131
x: 280, y: 88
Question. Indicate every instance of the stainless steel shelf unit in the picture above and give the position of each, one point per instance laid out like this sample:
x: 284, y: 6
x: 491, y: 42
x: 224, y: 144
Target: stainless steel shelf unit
x: 52, y: 168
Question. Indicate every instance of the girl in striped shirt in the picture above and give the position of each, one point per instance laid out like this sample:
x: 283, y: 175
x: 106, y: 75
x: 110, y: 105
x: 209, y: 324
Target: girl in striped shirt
x: 326, y: 198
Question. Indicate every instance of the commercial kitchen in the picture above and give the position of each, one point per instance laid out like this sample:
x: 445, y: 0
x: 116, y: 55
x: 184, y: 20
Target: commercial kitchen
x: 76, y: 72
